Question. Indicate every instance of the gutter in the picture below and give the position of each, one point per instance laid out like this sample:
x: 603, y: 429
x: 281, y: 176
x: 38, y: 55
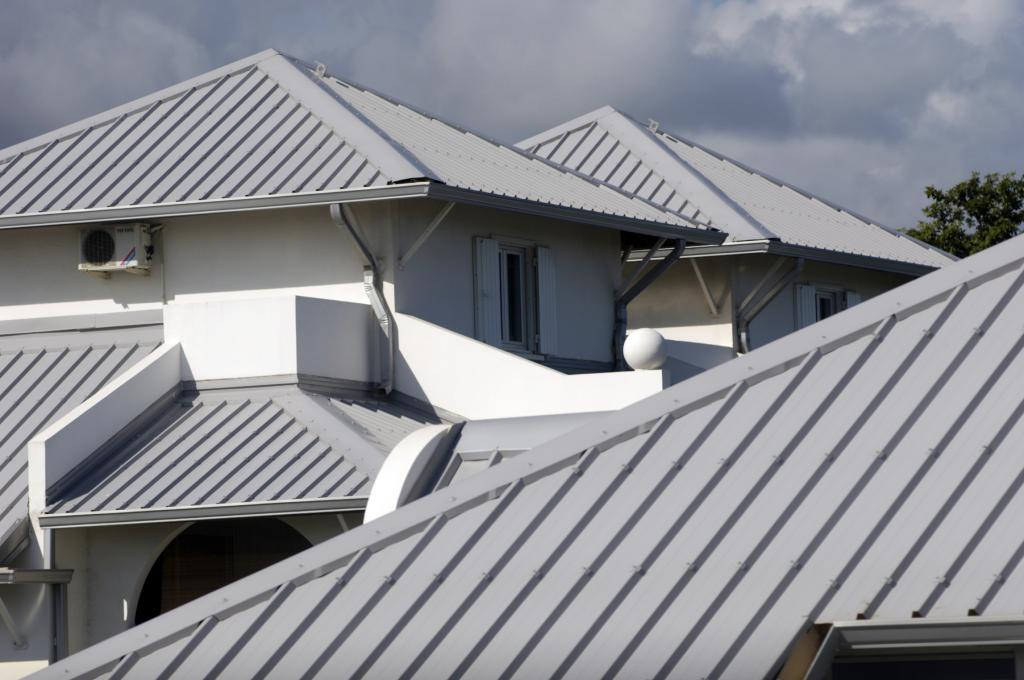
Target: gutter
x: 202, y: 512
x: 414, y: 189
x: 771, y: 247
x: 629, y: 294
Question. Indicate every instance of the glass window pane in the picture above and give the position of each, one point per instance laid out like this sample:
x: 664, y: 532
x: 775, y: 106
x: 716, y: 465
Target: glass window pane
x: 826, y: 305
x: 514, y: 297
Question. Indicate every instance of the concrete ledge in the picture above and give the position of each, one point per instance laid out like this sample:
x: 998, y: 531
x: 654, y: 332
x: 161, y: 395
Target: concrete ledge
x: 282, y: 335
x: 478, y: 381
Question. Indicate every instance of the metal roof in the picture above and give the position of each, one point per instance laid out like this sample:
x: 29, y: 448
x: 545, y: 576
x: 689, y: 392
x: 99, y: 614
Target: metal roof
x: 482, y: 444
x: 253, y: 449
x: 272, y: 126
x: 704, y: 185
x: 42, y: 377
x: 866, y: 466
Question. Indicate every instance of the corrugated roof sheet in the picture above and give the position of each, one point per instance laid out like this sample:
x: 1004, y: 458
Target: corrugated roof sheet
x: 43, y: 377
x: 270, y: 125
x: 251, y: 445
x: 866, y: 465
x: 701, y: 184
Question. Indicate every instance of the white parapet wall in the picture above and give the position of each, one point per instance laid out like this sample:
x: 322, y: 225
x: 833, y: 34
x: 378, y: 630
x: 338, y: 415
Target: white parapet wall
x: 283, y: 335
x: 65, y: 444
x: 477, y: 381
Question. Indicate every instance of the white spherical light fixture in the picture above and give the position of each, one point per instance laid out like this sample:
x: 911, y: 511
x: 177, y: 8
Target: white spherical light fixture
x: 645, y: 350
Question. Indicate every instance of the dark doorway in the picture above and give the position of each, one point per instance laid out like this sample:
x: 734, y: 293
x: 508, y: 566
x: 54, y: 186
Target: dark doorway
x: 209, y: 555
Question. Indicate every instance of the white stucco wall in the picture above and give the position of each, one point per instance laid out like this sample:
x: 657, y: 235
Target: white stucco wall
x: 779, y: 317
x: 104, y: 591
x: 302, y: 252
x: 675, y: 305
x: 30, y: 607
x: 231, y: 255
x: 437, y: 284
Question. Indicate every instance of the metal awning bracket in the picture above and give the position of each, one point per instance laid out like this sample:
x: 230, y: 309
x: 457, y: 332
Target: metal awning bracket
x: 712, y: 305
x: 16, y: 636
x: 422, y: 238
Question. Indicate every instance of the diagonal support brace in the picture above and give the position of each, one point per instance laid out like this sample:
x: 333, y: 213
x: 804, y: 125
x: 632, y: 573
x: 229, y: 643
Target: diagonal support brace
x: 422, y: 238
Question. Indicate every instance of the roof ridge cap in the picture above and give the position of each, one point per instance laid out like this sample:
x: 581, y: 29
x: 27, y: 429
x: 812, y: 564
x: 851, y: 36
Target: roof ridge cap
x: 651, y: 137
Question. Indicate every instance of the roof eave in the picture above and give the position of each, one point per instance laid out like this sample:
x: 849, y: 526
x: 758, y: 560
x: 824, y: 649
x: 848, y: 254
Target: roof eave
x: 204, y: 512
x: 620, y: 222
x: 773, y: 247
x: 224, y: 205
x: 415, y: 189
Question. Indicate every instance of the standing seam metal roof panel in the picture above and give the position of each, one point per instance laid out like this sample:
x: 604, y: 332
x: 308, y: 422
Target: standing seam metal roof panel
x: 271, y: 125
x: 866, y: 466
x: 255, y: 445
x: 43, y: 377
x: 728, y: 195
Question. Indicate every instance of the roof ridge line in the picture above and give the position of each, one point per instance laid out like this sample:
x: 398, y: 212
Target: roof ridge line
x: 567, y: 126
x: 376, y: 146
x: 803, y: 192
x: 359, y: 460
x: 514, y: 148
x: 651, y: 137
x: 107, y: 116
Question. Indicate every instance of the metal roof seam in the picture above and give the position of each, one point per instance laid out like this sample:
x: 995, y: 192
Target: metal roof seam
x: 134, y: 106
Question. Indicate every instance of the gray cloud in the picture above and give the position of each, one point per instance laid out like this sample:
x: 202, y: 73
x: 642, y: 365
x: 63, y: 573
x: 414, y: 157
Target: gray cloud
x: 862, y: 101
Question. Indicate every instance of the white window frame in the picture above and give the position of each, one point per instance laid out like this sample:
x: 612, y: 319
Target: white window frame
x: 537, y: 282
x: 527, y: 296
x: 841, y: 299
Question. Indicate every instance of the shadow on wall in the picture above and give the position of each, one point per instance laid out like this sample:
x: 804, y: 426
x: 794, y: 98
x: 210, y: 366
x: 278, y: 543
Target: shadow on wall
x: 687, y: 359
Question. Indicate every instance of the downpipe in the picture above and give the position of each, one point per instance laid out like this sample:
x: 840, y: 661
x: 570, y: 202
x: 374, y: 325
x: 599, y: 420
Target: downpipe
x: 373, y: 286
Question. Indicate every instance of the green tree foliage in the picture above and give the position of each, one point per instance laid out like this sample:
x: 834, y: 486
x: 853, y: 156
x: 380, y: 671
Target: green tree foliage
x: 974, y: 214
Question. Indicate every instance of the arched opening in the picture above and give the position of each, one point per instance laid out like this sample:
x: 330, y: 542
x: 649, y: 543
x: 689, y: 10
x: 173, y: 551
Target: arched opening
x: 209, y: 555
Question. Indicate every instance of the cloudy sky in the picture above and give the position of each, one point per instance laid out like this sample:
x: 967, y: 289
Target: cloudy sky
x: 864, y: 102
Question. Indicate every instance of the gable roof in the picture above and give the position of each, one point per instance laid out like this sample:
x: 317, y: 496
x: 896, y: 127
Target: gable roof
x: 42, y: 377
x: 867, y: 465
x: 228, y: 452
x: 270, y: 131
x: 704, y: 185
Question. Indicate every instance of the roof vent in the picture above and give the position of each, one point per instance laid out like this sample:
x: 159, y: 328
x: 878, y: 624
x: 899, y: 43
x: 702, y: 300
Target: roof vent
x: 321, y: 69
x: 653, y: 125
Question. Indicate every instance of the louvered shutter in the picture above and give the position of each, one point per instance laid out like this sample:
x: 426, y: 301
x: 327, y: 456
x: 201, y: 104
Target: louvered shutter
x: 852, y: 298
x: 547, y: 311
x: 488, y: 291
x: 806, y: 306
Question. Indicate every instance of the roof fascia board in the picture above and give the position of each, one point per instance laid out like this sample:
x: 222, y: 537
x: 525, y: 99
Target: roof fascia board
x: 225, y: 205
x: 691, y: 234
x: 656, y: 154
x: 110, y: 115
x: 204, y: 512
x: 815, y: 254
x: 914, y: 635
x: 850, y: 259
x: 371, y: 142
x: 963, y: 631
